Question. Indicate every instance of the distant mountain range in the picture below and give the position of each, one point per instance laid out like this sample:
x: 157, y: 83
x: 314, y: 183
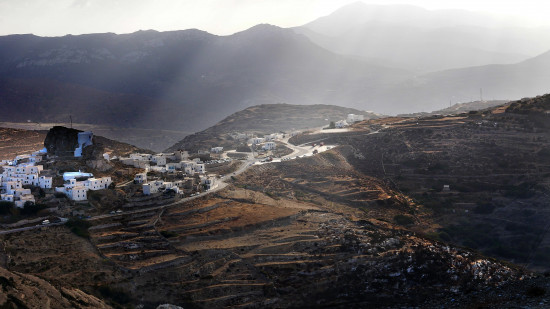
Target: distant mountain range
x: 189, y: 80
x: 421, y: 40
x: 182, y: 80
x: 494, y: 82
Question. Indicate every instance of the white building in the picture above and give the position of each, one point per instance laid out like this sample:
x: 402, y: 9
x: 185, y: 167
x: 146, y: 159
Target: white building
x: 84, y: 140
x: 200, y: 168
x: 23, y: 199
x: 16, y: 174
x: 7, y: 197
x: 73, y: 175
x: 73, y: 187
x: 209, y: 182
x: 140, y: 178
x: 159, y: 159
x: 355, y: 118
x: 45, y: 182
x: 99, y: 183
x: 216, y: 150
x: 256, y: 140
x: 181, y: 155
x: 152, y: 187
x: 172, y: 167
x: 272, y: 137
x: 77, y: 193
x: 341, y: 124
x: 269, y: 146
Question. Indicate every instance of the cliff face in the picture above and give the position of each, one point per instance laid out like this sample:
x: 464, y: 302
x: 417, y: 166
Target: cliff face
x: 61, y: 141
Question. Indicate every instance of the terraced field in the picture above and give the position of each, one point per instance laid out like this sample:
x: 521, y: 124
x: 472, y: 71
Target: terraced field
x: 15, y: 142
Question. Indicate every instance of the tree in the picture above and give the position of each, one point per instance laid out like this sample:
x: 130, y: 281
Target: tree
x: 332, y: 125
x: 5, y: 207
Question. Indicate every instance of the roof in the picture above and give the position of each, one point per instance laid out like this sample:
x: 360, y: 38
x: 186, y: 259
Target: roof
x: 72, y: 175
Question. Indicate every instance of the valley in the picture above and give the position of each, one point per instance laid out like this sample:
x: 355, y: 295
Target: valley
x: 389, y: 211
x: 275, y: 154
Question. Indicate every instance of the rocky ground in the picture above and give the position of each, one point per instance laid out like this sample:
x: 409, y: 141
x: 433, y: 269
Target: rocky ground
x: 351, y: 227
x: 15, y: 142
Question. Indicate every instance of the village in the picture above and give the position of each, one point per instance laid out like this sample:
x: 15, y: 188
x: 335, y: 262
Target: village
x: 24, y: 179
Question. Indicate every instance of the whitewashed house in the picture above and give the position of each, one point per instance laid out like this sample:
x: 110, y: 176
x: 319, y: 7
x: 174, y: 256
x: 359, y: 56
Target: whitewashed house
x: 355, y: 118
x: 7, y: 197
x: 341, y: 124
x: 200, y: 168
x: 45, y: 182
x: 216, y: 150
x: 99, y: 183
x: 84, y: 140
x: 256, y: 140
x: 75, y: 182
x: 172, y: 167
x: 272, y: 137
x: 209, y: 182
x: 20, y: 203
x: 269, y: 146
x: 140, y: 178
x: 76, y: 193
x: 181, y: 155
x: 160, y: 159
x: 152, y: 187
x: 73, y: 175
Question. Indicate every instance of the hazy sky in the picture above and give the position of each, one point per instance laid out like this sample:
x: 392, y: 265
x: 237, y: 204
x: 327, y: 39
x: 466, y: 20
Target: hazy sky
x: 60, y: 17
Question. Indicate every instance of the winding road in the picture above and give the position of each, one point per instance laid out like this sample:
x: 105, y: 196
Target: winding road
x: 297, y: 152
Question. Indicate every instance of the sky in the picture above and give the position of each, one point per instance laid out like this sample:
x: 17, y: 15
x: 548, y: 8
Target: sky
x: 221, y: 17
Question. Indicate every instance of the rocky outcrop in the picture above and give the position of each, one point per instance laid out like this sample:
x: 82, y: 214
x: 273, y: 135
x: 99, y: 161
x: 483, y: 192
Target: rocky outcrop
x: 61, y: 141
x: 27, y: 291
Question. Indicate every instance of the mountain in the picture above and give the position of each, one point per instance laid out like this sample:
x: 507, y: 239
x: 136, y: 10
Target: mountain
x: 478, y: 180
x: 433, y: 91
x: 459, y: 108
x: 179, y: 80
x: 422, y: 40
x: 265, y: 119
x: 188, y: 80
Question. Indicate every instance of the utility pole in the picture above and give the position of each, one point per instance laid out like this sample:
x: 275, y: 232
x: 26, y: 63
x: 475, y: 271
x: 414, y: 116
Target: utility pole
x: 71, y: 118
x: 481, y: 94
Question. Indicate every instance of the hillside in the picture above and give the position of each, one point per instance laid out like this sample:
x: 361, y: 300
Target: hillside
x: 367, y: 223
x: 180, y: 80
x: 307, y: 231
x: 27, y: 291
x: 459, y: 108
x: 423, y: 40
x: 14, y: 142
x: 494, y: 162
x: 513, y: 81
x: 265, y: 119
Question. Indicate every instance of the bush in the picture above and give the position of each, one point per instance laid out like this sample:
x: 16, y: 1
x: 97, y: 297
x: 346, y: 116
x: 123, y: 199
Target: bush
x: 403, y: 219
x: 116, y: 295
x: 30, y: 208
x: 484, y: 209
x: 535, y: 291
x: 444, y: 236
x: 168, y: 234
x: 60, y: 195
x: 79, y: 227
x: 6, y: 207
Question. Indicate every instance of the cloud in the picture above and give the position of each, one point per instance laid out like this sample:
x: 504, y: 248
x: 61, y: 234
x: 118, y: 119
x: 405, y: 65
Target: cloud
x: 80, y: 4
